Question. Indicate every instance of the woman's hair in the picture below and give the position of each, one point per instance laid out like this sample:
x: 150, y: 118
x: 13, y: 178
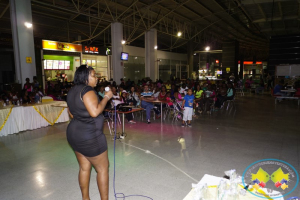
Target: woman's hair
x: 82, y: 75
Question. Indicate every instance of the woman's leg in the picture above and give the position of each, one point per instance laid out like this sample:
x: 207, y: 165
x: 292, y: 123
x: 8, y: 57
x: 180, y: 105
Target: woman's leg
x: 84, y: 175
x: 100, y: 163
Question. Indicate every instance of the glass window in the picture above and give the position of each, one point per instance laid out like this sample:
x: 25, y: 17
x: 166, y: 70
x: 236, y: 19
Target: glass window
x: 164, y: 69
x: 134, y: 68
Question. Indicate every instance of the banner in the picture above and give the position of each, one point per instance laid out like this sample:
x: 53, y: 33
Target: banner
x: 61, y: 46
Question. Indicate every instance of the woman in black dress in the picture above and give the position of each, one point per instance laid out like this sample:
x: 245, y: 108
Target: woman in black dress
x: 85, y: 131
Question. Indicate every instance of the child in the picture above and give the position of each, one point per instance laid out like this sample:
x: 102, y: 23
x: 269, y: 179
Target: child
x: 187, y: 104
x: 169, y: 100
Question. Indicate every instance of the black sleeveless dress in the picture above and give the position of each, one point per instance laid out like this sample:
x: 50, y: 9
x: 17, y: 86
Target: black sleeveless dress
x: 84, y: 133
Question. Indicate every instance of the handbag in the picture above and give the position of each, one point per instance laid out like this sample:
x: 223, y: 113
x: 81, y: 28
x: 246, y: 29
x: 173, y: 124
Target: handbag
x: 125, y: 109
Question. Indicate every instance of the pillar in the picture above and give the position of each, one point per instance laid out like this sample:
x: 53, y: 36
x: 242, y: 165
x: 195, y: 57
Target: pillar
x: 151, y: 63
x: 117, y: 48
x: 241, y: 67
x: 190, y: 58
x: 230, y: 58
x: 23, y: 41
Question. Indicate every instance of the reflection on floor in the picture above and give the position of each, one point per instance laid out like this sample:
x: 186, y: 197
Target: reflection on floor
x: 39, y: 164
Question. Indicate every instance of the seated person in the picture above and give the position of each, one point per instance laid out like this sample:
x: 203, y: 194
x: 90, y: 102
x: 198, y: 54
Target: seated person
x: 205, y: 85
x: 222, y: 94
x: 208, y: 99
x: 178, y: 97
x: 124, y: 100
x: 37, y: 95
x: 230, y: 92
x: 101, y: 91
x: 169, y: 100
x: 168, y: 86
x: 173, y: 87
x: 133, y: 97
x: 198, y: 93
x: 156, y: 92
x: 198, y: 97
x: 183, y: 89
x: 248, y: 83
x: 278, y: 88
x: 25, y: 97
x: 116, y: 97
x: 146, y: 98
x: 162, y: 94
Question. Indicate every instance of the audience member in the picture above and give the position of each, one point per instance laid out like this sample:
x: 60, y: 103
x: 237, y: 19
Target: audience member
x: 146, y: 98
x: 187, y: 105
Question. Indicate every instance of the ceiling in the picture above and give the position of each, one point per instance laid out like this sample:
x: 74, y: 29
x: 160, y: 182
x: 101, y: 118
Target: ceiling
x: 202, y: 22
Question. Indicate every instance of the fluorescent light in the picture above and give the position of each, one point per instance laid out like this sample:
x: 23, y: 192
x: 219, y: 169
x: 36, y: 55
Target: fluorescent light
x: 207, y: 48
x: 155, y: 47
x: 179, y: 34
x: 123, y: 42
x: 28, y: 25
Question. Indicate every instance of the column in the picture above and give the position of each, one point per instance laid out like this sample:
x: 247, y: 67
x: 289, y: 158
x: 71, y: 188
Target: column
x: 151, y: 63
x: 241, y: 67
x: 230, y: 58
x: 190, y: 58
x: 117, y: 48
x: 23, y: 42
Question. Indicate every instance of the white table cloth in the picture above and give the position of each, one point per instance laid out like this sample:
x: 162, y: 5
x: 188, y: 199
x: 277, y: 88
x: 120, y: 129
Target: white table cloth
x: 24, y: 118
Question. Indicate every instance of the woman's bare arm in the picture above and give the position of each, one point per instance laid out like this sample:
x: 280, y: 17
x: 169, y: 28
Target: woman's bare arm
x: 90, y: 101
x: 70, y: 113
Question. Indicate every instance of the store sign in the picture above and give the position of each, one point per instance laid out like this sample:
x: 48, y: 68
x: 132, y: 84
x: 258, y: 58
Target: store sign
x: 61, y: 46
x: 92, y: 50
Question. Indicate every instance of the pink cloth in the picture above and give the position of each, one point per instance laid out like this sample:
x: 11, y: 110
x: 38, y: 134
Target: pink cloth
x: 170, y: 103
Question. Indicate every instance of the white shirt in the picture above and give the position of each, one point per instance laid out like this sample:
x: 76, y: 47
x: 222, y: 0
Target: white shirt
x: 182, y: 90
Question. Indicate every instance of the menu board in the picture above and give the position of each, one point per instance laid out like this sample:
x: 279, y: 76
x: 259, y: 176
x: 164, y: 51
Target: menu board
x: 61, y: 64
x: 83, y: 62
x: 55, y: 64
x: 88, y: 62
x: 67, y: 64
x: 49, y: 64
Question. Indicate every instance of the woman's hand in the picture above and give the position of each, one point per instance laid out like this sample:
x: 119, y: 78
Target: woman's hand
x: 109, y: 94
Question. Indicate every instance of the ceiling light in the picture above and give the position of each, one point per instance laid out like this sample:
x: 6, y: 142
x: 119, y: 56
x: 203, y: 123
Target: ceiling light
x: 207, y: 48
x: 179, y: 34
x: 155, y: 47
x: 28, y: 25
x: 195, y: 54
x: 123, y: 42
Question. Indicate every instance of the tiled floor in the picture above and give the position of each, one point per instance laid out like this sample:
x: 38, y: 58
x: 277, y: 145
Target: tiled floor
x: 39, y: 164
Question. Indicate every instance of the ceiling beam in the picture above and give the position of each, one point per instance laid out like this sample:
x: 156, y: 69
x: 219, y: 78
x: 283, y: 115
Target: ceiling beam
x: 153, y: 25
x: 4, y: 11
x: 295, y: 29
x: 292, y: 17
x: 262, y: 11
x: 251, y: 2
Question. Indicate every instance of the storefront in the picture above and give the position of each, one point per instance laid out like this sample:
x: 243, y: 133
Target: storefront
x: 60, y: 60
x: 98, y: 58
x: 254, y: 70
